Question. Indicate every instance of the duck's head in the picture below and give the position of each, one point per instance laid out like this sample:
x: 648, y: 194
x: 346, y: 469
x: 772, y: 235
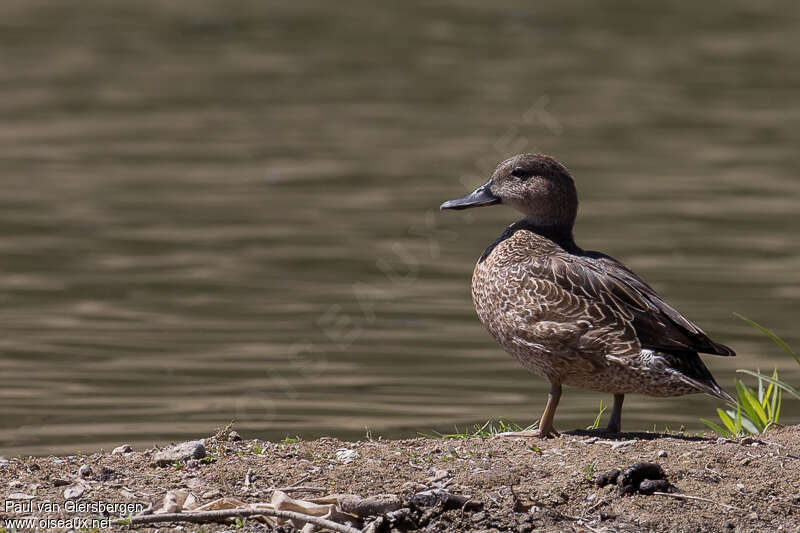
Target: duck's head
x: 536, y: 185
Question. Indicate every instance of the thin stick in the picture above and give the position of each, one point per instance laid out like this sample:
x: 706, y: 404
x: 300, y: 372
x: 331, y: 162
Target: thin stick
x: 213, y: 516
x: 698, y: 498
x: 298, y: 489
x: 300, y: 480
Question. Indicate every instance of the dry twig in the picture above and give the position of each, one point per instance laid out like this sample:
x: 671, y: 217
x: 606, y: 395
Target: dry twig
x: 299, y: 480
x: 297, y: 489
x: 213, y: 516
x: 698, y: 498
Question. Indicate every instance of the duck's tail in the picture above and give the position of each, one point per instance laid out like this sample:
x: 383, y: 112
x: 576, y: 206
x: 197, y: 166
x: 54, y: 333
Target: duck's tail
x: 690, y: 369
x: 715, y: 390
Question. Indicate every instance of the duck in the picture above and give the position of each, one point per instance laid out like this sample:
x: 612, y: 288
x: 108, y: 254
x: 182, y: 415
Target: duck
x: 576, y: 317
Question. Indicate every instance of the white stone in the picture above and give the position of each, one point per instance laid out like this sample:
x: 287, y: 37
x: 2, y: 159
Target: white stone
x: 346, y: 455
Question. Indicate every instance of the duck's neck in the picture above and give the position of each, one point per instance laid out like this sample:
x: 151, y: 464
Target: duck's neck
x: 561, y: 234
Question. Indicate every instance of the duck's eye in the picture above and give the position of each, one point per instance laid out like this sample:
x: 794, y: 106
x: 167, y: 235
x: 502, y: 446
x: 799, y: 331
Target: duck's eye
x: 519, y: 172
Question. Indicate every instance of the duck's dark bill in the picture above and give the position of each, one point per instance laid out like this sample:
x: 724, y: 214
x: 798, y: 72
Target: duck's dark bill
x: 479, y: 197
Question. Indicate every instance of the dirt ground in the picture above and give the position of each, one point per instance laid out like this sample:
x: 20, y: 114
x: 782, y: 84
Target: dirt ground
x: 523, y: 484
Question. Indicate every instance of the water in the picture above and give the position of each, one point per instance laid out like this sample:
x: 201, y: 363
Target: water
x: 228, y: 210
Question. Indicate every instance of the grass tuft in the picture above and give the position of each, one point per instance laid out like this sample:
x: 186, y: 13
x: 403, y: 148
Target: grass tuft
x: 757, y: 410
x: 596, y: 423
x: 488, y: 429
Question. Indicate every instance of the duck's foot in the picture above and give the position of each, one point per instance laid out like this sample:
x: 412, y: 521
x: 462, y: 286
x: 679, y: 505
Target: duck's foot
x: 545, y: 429
x: 532, y: 433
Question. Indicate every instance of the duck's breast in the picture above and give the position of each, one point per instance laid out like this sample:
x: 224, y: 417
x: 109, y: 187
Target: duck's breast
x: 505, y: 301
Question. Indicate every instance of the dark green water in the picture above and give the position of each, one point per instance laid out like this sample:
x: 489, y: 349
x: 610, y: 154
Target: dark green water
x: 219, y: 210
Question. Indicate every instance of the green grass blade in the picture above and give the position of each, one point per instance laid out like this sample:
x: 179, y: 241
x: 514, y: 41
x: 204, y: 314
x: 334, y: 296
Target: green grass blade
x: 777, y: 340
x: 482, y: 430
x: 769, y: 403
x: 751, y: 405
x: 767, y: 395
x: 727, y: 420
x: 750, y: 428
x: 596, y: 423
x: 770, y: 400
x: 778, y: 383
x: 738, y: 419
x: 717, y: 428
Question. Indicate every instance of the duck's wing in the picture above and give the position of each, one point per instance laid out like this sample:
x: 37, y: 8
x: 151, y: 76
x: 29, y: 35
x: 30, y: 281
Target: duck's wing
x: 604, y: 279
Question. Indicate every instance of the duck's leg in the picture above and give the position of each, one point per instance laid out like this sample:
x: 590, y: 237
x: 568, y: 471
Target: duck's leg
x: 546, y: 429
x: 615, y: 422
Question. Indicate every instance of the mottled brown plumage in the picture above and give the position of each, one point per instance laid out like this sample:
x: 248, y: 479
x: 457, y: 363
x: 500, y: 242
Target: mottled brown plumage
x: 577, y: 317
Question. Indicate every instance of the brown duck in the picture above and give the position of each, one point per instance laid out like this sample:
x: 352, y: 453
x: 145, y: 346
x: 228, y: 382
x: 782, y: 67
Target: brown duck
x: 573, y: 316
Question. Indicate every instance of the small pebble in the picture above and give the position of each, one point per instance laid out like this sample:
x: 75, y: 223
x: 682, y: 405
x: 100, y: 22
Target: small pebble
x: 439, y: 475
x: 346, y: 455
x: 19, y: 496
x: 412, y: 486
x: 621, y: 444
x: 753, y: 516
x: 119, y: 450
x: 73, y: 492
x: 180, y: 452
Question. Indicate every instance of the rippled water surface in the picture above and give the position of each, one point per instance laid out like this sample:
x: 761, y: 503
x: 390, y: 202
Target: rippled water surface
x: 215, y: 211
